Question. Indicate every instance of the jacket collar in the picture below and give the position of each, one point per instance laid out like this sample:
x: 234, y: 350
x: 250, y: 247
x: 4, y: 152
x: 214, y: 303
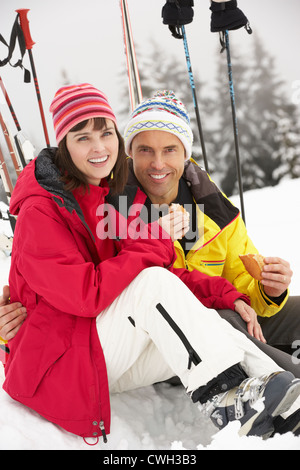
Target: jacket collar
x: 48, y: 176
x: 216, y: 205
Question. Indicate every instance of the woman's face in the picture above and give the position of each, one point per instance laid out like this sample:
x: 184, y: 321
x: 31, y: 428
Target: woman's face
x: 94, y: 152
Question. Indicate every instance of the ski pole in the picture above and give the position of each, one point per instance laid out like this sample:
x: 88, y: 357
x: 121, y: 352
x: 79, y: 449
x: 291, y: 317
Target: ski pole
x: 196, y: 107
x: 9, y: 105
x: 177, y: 13
x: 22, y: 161
x: 225, y: 44
x: 22, y: 12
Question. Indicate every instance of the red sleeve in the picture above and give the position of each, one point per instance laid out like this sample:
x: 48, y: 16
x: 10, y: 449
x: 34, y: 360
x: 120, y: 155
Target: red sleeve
x: 48, y: 258
x: 212, y: 291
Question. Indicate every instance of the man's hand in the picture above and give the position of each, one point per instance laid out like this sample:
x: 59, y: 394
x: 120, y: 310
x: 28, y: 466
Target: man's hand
x: 249, y: 316
x: 277, y: 276
x: 175, y: 223
x: 12, y: 316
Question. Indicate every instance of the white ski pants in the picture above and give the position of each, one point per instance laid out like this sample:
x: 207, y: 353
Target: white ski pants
x: 157, y: 329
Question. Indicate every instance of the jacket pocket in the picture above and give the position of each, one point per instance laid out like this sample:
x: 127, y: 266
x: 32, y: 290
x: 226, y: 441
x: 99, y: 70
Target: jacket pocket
x: 31, y: 357
x: 24, y: 378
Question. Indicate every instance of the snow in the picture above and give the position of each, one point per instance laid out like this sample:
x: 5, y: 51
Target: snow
x: 162, y: 417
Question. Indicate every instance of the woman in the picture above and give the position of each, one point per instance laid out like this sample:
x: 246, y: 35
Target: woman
x: 82, y: 282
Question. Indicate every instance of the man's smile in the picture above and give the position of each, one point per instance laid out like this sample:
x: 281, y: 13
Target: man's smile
x: 158, y: 176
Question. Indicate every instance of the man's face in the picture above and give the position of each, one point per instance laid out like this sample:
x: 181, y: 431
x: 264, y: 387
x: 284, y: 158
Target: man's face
x: 158, y: 163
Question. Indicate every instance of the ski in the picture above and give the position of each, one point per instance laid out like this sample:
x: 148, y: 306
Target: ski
x: 8, y: 188
x: 10, y: 145
x: 6, y: 244
x: 135, y: 90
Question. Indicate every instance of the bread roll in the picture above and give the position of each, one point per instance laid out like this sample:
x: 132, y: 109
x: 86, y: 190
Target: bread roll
x: 178, y: 207
x: 254, y: 264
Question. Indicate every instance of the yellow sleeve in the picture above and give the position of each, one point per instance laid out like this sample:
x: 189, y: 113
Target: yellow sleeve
x: 238, y: 243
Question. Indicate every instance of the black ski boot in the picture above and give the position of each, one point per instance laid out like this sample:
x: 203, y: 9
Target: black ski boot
x: 255, y: 403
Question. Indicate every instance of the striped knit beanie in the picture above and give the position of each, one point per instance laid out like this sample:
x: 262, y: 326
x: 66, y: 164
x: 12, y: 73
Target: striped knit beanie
x: 75, y: 103
x: 163, y: 112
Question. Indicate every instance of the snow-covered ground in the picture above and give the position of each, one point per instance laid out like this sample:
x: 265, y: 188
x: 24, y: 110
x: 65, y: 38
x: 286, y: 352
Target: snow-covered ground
x: 162, y: 417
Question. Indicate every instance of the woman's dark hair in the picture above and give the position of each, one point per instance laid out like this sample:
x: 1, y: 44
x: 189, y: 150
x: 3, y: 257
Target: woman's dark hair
x: 73, y: 178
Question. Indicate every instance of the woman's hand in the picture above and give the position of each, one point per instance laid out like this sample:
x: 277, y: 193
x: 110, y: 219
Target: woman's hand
x: 249, y: 316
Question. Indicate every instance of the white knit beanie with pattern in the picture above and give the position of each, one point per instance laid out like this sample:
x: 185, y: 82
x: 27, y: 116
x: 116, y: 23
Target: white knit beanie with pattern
x: 163, y: 112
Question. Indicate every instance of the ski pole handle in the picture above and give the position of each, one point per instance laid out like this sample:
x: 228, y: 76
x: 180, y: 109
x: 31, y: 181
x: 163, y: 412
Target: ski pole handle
x: 22, y: 12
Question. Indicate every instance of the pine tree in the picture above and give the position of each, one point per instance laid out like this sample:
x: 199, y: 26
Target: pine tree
x: 288, y: 151
x: 265, y: 104
x: 268, y: 124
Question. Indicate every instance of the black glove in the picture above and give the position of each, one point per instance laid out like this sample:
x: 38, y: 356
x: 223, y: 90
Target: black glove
x: 178, y: 12
x: 227, y: 15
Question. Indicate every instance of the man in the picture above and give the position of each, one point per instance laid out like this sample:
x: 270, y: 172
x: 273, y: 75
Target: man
x: 159, y: 141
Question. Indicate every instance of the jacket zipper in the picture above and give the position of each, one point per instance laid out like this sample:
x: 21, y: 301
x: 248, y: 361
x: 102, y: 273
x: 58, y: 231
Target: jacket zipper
x: 193, y: 356
x: 101, y: 423
x: 102, y: 429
